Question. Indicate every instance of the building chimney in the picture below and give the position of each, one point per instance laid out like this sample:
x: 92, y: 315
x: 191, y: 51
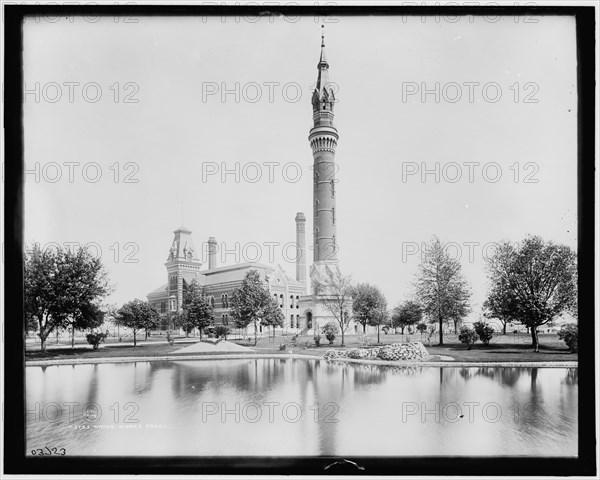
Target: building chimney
x: 212, y: 253
x: 300, y: 248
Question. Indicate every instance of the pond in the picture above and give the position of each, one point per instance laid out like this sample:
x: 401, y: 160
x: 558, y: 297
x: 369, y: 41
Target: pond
x: 299, y: 407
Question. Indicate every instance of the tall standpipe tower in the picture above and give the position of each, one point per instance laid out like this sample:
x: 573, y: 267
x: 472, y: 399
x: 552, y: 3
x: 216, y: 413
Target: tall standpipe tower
x: 323, y: 139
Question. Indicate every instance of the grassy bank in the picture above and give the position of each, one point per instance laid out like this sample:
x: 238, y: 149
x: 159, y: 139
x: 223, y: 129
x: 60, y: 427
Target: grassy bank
x: 503, y: 348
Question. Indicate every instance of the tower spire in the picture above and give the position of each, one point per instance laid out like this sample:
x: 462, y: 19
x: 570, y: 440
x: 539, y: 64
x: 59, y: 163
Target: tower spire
x: 323, y: 139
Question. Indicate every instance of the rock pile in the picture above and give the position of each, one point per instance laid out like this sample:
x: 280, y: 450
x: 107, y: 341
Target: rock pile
x: 393, y: 352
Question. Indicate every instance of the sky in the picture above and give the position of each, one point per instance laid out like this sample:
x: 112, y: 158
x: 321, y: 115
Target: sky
x: 463, y: 128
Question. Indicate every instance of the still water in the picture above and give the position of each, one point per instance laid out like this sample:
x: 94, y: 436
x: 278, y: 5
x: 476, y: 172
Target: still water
x: 299, y: 407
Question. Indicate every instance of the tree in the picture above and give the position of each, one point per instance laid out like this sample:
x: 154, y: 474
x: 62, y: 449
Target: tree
x: 197, y: 309
x: 484, y: 331
x: 182, y: 321
x: 501, y: 304
x: 570, y: 334
x: 88, y: 316
x: 421, y: 327
x: 440, y: 287
x: 536, y: 281
x: 468, y: 336
x: 137, y: 315
x: 330, y: 329
x: 334, y: 294
x: 409, y: 313
x: 366, y: 300
x: 60, y: 288
x: 369, y: 306
x: 252, y: 303
x: 96, y: 338
x: 272, y: 315
x: 222, y: 331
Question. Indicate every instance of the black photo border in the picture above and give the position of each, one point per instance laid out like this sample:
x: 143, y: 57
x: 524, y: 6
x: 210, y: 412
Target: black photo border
x: 15, y: 460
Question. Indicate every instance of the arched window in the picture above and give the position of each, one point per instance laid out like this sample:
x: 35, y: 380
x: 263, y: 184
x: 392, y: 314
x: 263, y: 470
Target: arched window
x: 281, y: 301
x: 297, y: 301
x: 291, y: 301
x: 226, y: 300
x: 291, y: 321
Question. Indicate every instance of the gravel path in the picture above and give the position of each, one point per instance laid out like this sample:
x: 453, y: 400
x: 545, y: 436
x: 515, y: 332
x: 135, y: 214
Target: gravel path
x: 205, y: 347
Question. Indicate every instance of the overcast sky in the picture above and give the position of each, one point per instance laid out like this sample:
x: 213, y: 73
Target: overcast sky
x: 161, y: 120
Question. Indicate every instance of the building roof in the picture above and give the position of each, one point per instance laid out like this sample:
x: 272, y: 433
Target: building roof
x: 159, y: 291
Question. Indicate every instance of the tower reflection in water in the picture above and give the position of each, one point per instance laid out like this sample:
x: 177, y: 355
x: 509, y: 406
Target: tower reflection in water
x: 300, y: 407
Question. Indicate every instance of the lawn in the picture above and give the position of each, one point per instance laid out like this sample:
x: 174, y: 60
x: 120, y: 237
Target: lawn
x: 503, y: 348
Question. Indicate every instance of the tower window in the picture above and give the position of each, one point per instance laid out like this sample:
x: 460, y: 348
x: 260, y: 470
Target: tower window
x: 297, y: 301
x: 291, y: 301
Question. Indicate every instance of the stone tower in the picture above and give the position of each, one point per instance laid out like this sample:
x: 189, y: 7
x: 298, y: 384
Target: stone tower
x: 323, y: 139
x: 182, y: 264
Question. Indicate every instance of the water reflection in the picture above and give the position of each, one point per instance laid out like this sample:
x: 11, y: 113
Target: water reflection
x: 301, y: 407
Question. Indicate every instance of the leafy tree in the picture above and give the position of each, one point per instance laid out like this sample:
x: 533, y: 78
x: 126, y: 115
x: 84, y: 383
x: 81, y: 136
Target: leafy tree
x: 330, y: 329
x: 60, y: 288
x: 570, y: 334
x: 222, y: 331
x: 272, y: 315
x: 501, y: 304
x: 484, y: 331
x: 440, y: 287
x: 335, y: 295
x: 536, y: 281
x: 366, y: 300
x: 468, y: 336
x: 409, y: 313
x: 89, y: 316
x: 369, y: 306
x: 95, y: 339
x: 421, y: 328
x: 181, y: 320
x: 137, y: 315
x: 252, y: 303
x: 197, y: 309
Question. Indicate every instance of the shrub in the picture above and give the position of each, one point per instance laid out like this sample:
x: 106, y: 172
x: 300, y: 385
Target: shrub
x: 317, y: 340
x: 222, y: 331
x: 95, y: 339
x: 484, y: 331
x: 569, y: 333
x: 421, y: 327
x: 467, y: 335
x: 386, y: 329
x: 330, y: 329
x: 282, y: 346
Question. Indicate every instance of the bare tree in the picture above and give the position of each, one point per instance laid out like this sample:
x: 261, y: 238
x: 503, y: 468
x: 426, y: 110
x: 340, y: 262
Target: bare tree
x: 334, y: 294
